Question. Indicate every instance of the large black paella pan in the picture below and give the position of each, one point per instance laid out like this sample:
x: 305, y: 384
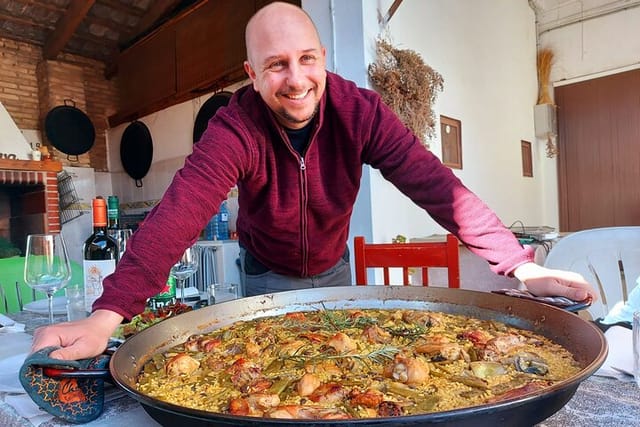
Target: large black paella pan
x: 581, y: 338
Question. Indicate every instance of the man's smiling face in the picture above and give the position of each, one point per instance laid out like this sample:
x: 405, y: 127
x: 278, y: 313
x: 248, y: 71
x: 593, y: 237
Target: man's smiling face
x: 286, y: 63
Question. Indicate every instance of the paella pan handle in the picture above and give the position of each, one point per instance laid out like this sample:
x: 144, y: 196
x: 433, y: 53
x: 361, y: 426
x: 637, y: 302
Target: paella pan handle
x: 138, y: 183
x: 77, y: 373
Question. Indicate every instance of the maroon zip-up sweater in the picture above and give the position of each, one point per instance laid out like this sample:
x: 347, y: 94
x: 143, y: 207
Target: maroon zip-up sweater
x: 294, y: 211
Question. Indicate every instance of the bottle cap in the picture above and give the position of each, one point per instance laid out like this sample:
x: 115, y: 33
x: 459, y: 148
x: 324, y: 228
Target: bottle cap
x: 99, y: 212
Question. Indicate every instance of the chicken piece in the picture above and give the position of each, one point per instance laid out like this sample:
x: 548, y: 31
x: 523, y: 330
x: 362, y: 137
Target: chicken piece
x: 181, y: 364
x: 376, y: 335
x: 328, y: 393
x: 308, y: 413
x: 342, y: 343
x: 263, y: 401
x: 291, y: 348
x: 370, y: 398
x: 422, y: 318
x: 238, y: 406
x: 252, y: 349
x: 307, y: 384
x: 478, y: 337
x: 389, y: 409
x: 243, y: 373
x: 326, y: 368
x: 408, y: 370
x: 500, y: 346
x: 444, y: 351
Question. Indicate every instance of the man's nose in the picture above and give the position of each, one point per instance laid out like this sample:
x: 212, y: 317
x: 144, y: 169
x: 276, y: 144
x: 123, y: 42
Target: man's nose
x: 296, y: 74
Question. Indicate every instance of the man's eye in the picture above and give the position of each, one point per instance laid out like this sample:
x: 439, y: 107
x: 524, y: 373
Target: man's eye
x: 278, y: 65
x: 307, y: 59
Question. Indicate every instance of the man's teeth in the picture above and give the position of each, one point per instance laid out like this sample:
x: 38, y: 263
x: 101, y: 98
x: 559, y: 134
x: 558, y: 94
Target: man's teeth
x: 299, y: 96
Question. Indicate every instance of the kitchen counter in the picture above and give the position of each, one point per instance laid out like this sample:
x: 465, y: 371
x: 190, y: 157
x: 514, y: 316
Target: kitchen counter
x: 599, y: 401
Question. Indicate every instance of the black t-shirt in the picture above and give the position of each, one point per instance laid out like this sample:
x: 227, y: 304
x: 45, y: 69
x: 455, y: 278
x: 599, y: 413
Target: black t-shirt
x: 300, y: 137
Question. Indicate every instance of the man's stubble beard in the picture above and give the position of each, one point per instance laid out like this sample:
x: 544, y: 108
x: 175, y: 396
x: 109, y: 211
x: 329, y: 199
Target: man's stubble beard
x: 290, y: 119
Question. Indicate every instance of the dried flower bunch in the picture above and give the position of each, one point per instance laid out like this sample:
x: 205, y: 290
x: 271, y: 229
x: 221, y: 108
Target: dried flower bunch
x: 545, y: 61
x: 408, y: 86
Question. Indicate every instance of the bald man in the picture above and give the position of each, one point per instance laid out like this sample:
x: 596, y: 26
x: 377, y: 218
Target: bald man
x: 294, y: 141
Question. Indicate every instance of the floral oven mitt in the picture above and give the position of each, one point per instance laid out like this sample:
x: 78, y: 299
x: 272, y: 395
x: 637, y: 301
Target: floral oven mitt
x: 76, y: 400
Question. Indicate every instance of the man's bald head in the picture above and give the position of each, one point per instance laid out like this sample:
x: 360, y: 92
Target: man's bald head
x: 272, y: 19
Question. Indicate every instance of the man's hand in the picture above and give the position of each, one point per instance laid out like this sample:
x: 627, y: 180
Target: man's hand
x: 542, y: 281
x: 80, y: 339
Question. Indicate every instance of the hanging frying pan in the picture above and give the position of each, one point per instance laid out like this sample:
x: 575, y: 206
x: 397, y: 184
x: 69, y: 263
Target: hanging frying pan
x: 69, y: 130
x: 136, y: 151
x: 207, y: 111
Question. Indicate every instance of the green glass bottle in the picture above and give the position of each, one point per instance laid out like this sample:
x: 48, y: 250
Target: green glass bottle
x: 166, y: 296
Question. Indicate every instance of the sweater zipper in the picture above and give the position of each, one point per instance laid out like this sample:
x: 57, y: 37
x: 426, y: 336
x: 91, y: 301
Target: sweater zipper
x: 303, y: 217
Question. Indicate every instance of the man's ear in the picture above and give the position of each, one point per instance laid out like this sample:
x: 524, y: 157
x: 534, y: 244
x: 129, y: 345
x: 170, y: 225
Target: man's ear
x: 249, y: 70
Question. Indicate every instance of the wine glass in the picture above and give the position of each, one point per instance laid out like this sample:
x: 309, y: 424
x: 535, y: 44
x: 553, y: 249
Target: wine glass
x: 46, y: 265
x: 186, y: 266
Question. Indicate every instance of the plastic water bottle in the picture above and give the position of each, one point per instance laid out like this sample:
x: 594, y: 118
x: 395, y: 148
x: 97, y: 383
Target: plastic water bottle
x: 223, y: 222
x: 210, y: 231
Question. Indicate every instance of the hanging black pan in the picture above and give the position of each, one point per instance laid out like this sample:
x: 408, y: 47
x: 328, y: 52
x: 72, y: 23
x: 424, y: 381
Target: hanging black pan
x: 69, y: 130
x: 136, y: 151
x: 208, y: 109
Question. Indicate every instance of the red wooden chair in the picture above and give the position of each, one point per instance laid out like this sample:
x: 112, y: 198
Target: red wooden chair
x: 407, y: 256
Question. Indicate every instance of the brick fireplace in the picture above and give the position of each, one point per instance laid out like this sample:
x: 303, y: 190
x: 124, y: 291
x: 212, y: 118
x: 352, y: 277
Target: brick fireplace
x: 28, y: 199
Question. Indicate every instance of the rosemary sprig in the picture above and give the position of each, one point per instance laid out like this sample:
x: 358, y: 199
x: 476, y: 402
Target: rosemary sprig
x: 379, y: 355
x: 340, y: 321
x: 404, y: 331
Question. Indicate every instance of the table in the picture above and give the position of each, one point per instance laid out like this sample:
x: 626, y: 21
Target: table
x: 599, y: 401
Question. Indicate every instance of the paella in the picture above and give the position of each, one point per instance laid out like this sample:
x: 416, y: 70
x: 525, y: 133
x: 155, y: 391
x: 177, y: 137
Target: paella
x: 355, y: 363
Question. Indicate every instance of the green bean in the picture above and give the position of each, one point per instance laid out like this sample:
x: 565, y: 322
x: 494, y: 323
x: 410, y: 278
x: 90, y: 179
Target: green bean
x: 279, y: 386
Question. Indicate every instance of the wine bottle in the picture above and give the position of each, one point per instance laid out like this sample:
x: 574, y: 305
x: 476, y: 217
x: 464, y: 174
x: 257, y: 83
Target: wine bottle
x: 113, y: 212
x: 100, y: 253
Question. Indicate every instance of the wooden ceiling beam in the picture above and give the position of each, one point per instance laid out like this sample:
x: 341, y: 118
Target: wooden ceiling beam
x: 157, y: 9
x: 129, y: 10
x: 22, y: 21
x: 66, y: 26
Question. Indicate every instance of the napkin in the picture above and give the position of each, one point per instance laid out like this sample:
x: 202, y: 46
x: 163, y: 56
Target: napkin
x: 620, y: 354
x: 8, y: 325
x: 623, y: 311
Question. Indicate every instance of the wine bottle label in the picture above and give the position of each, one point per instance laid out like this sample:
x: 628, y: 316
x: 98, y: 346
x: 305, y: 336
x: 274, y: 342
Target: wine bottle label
x: 94, y: 273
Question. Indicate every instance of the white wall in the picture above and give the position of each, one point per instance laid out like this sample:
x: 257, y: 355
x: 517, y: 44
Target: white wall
x: 589, y: 40
x: 485, y: 52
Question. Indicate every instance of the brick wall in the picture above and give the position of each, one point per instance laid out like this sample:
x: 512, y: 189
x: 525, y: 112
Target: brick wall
x: 31, y: 86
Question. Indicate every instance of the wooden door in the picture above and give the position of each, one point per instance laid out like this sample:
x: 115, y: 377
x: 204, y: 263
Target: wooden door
x: 599, y: 152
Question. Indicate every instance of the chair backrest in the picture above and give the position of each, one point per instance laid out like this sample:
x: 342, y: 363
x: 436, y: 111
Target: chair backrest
x: 609, y: 258
x: 407, y: 256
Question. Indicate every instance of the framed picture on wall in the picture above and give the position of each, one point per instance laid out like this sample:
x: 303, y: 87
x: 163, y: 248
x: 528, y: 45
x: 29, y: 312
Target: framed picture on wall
x: 527, y: 161
x: 451, y: 136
